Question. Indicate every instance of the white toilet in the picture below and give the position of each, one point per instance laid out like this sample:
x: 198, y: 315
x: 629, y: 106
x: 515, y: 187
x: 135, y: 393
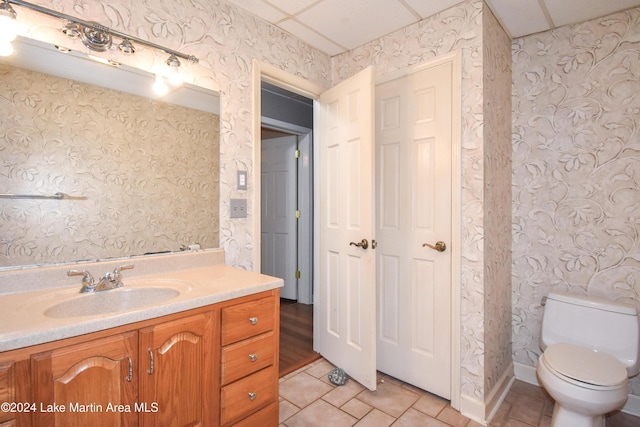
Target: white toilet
x: 590, y: 349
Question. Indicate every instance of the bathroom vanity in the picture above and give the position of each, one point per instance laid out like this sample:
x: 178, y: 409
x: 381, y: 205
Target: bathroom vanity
x: 205, y: 355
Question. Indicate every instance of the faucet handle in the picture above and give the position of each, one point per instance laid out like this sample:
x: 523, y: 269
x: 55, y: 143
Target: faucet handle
x: 88, y: 284
x: 117, y: 270
x: 116, y: 276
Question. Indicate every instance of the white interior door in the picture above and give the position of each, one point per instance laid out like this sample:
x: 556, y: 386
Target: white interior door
x: 278, y: 238
x: 413, y: 143
x: 345, y: 306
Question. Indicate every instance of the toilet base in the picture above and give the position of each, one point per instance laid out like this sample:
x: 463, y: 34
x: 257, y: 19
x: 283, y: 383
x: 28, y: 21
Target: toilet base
x: 563, y: 417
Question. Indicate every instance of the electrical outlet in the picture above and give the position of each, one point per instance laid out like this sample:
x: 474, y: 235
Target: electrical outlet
x: 238, y: 208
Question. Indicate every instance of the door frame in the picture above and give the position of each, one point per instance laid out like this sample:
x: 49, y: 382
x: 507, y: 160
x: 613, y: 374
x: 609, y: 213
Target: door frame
x: 301, y: 86
x: 304, y: 203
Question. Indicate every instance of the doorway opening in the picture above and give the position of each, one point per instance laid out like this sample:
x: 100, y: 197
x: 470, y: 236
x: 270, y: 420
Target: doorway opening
x: 286, y: 221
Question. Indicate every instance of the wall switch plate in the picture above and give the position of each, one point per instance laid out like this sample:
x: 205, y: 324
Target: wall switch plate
x: 242, y: 180
x: 238, y: 208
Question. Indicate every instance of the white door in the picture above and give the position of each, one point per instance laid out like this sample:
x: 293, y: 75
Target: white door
x: 345, y: 307
x: 278, y: 207
x: 413, y: 151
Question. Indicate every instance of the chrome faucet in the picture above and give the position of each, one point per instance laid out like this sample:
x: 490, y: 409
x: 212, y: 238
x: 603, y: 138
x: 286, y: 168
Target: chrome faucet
x: 110, y: 280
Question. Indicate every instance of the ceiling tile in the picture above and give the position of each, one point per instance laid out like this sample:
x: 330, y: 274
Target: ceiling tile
x: 430, y: 8
x: 260, y: 8
x: 574, y: 11
x: 311, y: 37
x: 355, y: 22
x: 291, y: 6
x: 520, y: 17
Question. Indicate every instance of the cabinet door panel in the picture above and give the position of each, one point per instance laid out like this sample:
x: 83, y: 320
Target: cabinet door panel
x: 176, y: 381
x: 92, y: 383
x: 7, y: 388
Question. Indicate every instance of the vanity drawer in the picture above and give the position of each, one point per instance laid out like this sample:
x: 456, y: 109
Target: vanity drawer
x: 248, y: 356
x: 248, y: 319
x: 249, y: 394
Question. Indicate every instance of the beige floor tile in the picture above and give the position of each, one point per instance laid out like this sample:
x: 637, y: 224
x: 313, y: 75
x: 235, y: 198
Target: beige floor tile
x: 453, y: 417
x: 342, y: 394
x: 303, y: 389
x: 527, y: 409
x: 430, y: 404
x: 376, y: 418
x: 321, y: 414
x: 356, y: 408
x: 389, y: 398
x: 287, y: 410
x: 321, y: 368
x: 413, y: 418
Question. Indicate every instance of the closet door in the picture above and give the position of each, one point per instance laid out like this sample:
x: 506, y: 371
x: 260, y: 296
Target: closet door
x: 345, y: 303
x: 413, y: 192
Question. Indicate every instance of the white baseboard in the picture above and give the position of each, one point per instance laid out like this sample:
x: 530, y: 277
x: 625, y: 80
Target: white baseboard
x: 528, y: 374
x: 483, y: 412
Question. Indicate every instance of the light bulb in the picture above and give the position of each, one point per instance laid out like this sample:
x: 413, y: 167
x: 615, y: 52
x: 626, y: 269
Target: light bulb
x: 174, y: 76
x: 8, y: 27
x: 6, y: 48
x: 160, y: 87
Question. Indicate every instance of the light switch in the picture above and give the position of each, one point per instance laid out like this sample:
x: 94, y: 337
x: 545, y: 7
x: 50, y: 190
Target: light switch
x: 242, y: 180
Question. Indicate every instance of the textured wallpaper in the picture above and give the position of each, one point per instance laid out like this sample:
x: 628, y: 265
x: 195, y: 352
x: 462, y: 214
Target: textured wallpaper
x: 142, y: 175
x: 576, y: 172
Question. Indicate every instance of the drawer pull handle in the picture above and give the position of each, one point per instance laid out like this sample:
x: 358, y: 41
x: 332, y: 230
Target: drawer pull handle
x: 253, y: 357
x: 252, y: 395
x: 253, y: 320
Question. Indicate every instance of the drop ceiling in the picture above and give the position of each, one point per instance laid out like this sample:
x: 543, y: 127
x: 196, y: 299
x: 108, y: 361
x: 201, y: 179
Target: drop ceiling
x: 335, y: 26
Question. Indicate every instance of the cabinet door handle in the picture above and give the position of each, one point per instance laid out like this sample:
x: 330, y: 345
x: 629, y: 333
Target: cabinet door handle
x: 253, y: 320
x: 150, y: 370
x: 130, y: 376
x: 253, y: 357
x: 252, y: 395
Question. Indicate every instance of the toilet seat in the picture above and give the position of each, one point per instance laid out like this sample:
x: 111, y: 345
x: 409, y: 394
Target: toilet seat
x: 585, y: 367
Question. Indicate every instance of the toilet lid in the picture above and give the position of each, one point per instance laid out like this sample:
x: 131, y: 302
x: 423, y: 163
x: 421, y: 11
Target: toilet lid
x: 585, y: 365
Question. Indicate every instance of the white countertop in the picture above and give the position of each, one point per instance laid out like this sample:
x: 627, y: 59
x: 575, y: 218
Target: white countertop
x: 23, y: 321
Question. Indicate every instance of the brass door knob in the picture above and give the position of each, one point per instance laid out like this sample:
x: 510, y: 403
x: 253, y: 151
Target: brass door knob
x: 364, y: 244
x: 440, y: 246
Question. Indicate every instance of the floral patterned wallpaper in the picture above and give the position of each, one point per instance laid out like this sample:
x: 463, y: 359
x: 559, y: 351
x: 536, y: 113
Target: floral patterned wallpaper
x: 227, y: 39
x: 141, y: 174
x: 576, y: 169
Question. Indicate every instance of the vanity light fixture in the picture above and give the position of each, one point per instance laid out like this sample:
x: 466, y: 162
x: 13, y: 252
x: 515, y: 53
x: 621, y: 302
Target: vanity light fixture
x: 93, y: 35
x: 8, y: 28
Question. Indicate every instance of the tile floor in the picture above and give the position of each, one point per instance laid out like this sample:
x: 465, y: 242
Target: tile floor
x: 308, y: 399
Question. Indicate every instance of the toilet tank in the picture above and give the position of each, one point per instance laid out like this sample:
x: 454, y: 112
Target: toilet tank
x: 595, y: 323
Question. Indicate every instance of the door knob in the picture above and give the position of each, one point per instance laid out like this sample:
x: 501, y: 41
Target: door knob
x: 364, y: 244
x: 440, y: 246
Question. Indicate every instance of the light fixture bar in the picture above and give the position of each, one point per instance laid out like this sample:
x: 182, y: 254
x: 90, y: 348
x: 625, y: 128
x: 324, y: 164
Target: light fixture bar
x: 101, y: 28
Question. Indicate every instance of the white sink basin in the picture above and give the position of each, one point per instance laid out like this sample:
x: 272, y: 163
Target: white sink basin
x: 114, y: 300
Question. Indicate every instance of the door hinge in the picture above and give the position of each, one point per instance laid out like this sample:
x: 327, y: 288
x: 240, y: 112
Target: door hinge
x: 297, y: 154
x: 297, y: 274
x: 298, y: 214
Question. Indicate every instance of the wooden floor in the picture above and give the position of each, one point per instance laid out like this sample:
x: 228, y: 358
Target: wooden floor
x: 296, y: 336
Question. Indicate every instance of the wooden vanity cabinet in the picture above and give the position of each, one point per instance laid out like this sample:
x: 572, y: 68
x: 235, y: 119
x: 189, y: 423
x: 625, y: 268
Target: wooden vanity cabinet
x: 85, y: 384
x: 249, y: 363
x: 196, y: 368
x: 176, y: 372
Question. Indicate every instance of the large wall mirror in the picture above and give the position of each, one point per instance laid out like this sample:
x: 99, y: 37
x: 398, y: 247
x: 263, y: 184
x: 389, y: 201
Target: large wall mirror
x: 95, y: 165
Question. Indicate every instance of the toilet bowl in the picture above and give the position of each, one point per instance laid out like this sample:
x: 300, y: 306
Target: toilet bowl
x: 584, y: 383
x: 590, y: 349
